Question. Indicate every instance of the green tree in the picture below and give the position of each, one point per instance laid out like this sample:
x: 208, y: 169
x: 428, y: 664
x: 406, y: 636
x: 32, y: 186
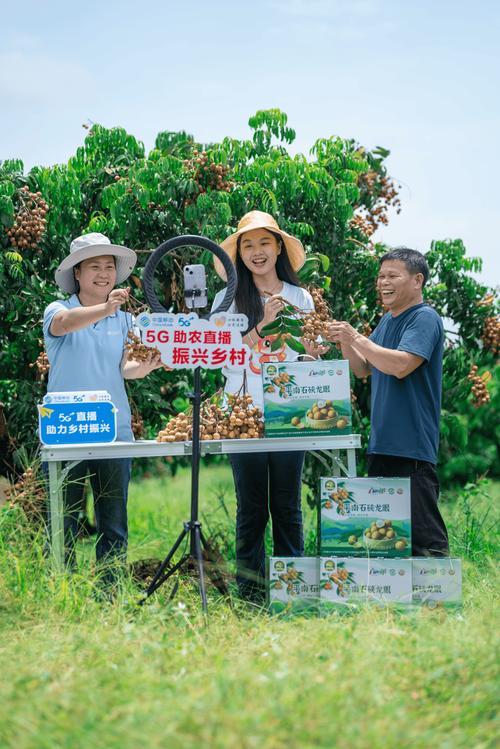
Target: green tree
x: 333, y: 198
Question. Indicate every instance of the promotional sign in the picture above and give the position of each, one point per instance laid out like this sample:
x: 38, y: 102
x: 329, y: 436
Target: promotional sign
x: 365, y: 517
x: 293, y: 585
x: 437, y: 582
x: 185, y: 341
x: 306, y: 398
x: 76, y: 418
x: 77, y: 396
x: 349, y: 582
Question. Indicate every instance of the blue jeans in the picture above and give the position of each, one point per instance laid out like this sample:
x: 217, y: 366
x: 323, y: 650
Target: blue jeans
x: 109, y: 480
x: 266, y: 484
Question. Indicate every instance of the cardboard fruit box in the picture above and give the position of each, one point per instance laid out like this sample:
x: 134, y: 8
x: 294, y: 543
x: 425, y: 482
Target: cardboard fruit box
x: 365, y: 517
x: 437, y: 582
x: 293, y: 585
x: 306, y: 398
x: 349, y: 582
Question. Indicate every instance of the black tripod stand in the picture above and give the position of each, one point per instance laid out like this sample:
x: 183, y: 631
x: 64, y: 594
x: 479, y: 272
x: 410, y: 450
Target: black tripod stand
x: 192, y: 527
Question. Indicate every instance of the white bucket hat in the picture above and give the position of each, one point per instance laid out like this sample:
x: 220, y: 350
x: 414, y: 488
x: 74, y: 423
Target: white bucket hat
x: 93, y: 245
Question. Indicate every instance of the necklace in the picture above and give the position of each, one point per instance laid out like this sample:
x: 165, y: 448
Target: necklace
x: 265, y: 292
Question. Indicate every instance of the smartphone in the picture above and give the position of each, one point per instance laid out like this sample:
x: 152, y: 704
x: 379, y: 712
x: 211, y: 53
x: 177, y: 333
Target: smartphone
x: 195, y: 286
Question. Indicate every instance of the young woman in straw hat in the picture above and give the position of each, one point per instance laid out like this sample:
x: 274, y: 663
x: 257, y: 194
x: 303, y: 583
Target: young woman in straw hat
x: 267, y: 260
x: 85, y: 338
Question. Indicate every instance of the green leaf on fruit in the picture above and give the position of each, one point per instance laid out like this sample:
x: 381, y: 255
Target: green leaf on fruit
x: 296, y: 345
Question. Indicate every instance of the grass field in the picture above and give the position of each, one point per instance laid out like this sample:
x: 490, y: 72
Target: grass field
x: 77, y: 673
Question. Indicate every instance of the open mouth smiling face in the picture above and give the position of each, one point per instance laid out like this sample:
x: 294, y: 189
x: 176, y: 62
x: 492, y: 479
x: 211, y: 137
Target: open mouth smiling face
x: 396, y: 286
x: 259, y: 250
x: 97, y: 275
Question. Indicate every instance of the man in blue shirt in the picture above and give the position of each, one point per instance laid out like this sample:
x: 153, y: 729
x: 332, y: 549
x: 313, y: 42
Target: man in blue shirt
x: 85, y: 338
x: 404, y: 356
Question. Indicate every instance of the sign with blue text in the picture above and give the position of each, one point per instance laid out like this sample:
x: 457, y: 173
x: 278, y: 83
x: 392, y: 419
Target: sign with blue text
x: 66, y: 419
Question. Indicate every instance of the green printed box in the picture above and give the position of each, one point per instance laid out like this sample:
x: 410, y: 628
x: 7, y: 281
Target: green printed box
x: 349, y: 582
x: 306, y: 398
x: 437, y: 582
x: 293, y: 585
x: 365, y: 517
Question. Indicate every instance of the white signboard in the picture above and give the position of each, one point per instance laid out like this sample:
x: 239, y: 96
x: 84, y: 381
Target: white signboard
x: 185, y: 341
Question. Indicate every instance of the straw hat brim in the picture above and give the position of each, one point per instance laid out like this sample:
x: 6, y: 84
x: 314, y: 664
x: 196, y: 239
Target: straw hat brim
x: 294, y: 247
x: 125, y: 263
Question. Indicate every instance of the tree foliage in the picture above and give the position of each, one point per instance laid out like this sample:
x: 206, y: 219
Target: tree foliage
x: 333, y: 199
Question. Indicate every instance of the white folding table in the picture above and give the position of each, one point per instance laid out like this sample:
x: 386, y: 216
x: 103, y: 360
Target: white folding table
x: 62, y: 458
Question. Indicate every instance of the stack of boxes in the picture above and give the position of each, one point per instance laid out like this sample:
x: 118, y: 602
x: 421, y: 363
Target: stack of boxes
x: 364, y: 528
x: 365, y: 542
x: 364, y: 555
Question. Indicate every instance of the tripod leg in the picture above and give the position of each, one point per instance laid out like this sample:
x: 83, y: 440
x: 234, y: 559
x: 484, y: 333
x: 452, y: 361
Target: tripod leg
x: 152, y: 585
x: 168, y: 574
x: 196, y: 531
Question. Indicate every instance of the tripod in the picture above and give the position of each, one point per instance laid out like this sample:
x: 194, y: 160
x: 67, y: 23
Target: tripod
x: 192, y: 527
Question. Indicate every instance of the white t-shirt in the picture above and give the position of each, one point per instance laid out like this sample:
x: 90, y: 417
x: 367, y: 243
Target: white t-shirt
x: 297, y: 296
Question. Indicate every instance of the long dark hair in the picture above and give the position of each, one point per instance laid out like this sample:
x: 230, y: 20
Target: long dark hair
x: 247, y: 297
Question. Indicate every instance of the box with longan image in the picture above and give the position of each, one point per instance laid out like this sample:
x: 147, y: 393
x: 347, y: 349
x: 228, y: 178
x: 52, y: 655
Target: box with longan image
x: 365, y: 517
x: 306, y: 398
x: 348, y: 582
x: 292, y: 585
x: 437, y: 582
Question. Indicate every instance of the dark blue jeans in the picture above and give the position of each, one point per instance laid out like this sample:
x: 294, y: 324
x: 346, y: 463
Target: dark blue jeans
x: 109, y: 480
x: 266, y: 484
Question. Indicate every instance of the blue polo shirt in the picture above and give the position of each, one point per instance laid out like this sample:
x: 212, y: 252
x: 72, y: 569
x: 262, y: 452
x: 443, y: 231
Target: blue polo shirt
x: 89, y: 359
x: 405, y: 413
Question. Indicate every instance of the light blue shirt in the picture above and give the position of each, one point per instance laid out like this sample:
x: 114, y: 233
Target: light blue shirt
x: 89, y: 359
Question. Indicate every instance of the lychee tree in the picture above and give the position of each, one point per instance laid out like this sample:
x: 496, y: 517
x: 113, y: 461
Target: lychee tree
x: 334, y: 199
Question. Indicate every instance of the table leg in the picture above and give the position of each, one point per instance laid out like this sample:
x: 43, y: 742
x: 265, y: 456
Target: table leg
x: 56, y: 515
x: 335, y: 463
x: 351, y: 463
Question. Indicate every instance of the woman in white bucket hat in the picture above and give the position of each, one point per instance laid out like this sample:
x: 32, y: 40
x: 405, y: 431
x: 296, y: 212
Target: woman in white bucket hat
x: 267, y: 484
x: 85, y: 339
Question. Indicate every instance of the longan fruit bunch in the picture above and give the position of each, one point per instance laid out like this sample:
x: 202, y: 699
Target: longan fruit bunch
x: 178, y: 429
x: 29, y: 494
x: 137, y: 424
x: 42, y: 364
x: 137, y: 350
x: 384, y: 194
x: 339, y: 497
x: 316, y: 323
x: 363, y: 225
x: 491, y: 334
x: 30, y: 222
x: 208, y: 174
x: 240, y: 419
x: 479, y: 391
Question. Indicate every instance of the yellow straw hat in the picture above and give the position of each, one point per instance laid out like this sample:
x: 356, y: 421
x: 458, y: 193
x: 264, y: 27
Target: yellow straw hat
x: 260, y: 220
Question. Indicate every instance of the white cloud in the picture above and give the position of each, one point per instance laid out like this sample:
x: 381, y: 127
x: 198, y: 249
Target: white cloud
x: 31, y: 76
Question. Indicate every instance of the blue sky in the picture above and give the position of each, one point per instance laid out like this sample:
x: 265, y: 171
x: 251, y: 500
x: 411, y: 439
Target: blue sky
x: 420, y: 78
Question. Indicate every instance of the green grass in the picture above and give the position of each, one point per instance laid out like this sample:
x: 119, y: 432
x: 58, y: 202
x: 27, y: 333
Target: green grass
x: 76, y: 673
